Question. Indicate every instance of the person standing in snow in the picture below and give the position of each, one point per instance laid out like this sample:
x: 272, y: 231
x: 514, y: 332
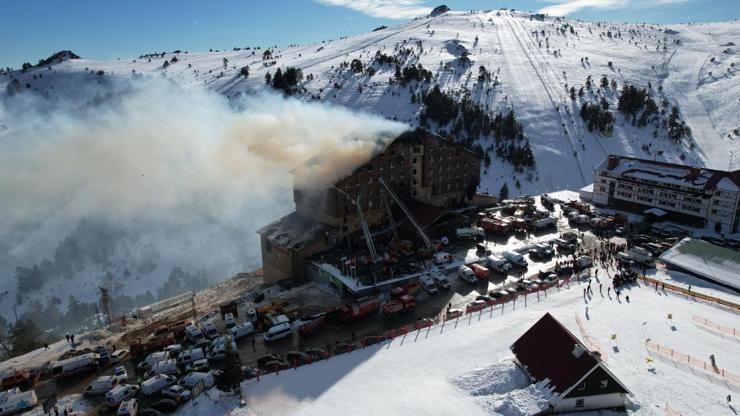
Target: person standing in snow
x: 46, y: 346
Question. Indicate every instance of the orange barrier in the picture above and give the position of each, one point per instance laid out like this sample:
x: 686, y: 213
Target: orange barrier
x: 696, y: 295
x: 694, y: 362
x: 714, y: 326
x: 587, y: 339
x: 669, y: 411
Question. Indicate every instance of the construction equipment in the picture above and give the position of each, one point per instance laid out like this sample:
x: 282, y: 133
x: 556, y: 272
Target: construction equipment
x: 363, y: 224
x: 419, y: 229
x: 390, y: 215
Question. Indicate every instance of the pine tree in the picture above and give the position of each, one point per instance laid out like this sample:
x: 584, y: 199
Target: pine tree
x: 232, y: 372
x: 268, y: 78
x: 503, y: 193
x: 25, y: 337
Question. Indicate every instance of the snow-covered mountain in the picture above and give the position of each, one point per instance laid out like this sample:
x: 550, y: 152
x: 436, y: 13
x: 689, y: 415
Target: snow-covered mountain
x: 530, y: 61
x: 485, y: 64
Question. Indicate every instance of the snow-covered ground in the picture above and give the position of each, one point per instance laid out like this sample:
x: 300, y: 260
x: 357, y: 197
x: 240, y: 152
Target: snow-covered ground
x: 464, y: 370
x: 532, y: 60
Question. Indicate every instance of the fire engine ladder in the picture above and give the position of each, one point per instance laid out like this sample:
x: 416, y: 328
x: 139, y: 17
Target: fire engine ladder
x: 390, y: 215
x: 406, y: 211
x: 363, y: 223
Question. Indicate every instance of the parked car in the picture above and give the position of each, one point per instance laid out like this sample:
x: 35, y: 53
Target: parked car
x: 198, y: 365
x: 118, y: 356
x: 343, y: 347
x: 163, y: 367
x: 190, y: 380
x: 128, y: 408
x: 120, y: 374
x: 466, y: 273
x: 229, y: 321
x: 242, y: 330
x: 428, y: 284
x: 440, y: 280
x: 454, y: 313
x: 249, y: 372
x: 102, y: 385
x: 190, y: 356
x: 277, y: 332
x: 275, y: 365
x: 120, y: 393
x: 155, y: 384
x: 297, y: 358
x: 317, y: 353
x: 177, y: 392
x: 152, y: 359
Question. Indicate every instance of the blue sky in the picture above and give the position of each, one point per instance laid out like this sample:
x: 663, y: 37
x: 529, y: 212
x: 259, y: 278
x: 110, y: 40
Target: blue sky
x: 31, y: 30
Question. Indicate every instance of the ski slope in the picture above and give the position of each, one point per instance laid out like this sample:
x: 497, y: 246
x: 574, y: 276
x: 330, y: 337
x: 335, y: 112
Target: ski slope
x: 533, y: 70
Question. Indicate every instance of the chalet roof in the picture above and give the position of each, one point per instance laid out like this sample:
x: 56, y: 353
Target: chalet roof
x: 665, y: 172
x: 546, y: 350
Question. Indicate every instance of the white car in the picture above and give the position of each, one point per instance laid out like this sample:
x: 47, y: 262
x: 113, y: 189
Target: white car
x: 428, y: 284
x: 118, y: 356
x: 120, y: 374
x: 229, y: 320
x: 440, y: 280
x: 128, y: 408
x: 177, y: 392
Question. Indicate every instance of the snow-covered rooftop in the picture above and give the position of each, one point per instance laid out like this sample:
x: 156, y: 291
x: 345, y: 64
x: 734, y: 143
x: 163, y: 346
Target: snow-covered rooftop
x: 671, y: 173
x: 707, y: 260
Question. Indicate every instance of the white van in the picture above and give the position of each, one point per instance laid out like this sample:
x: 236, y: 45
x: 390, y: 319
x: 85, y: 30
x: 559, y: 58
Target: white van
x: 583, y: 262
x: 278, y: 332
x: 189, y: 356
x: 229, y: 320
x: 128, y: 408
x: 209, y: 328
x: 163, y: 367
x: 102, y: 385
x: 194, y: 335
x: 15, y: 401
x: 190, y: 380
x: 428, y: 284
x: 440, y: 280
x: 498, y: 264
x: 198, y: 365
x: 223, y: 339
x: 152, y: 359
x: 466, y: 273
x: 515, y: 258
x: 120, y: 393
x: 173, y: 349
x: 243, y: 330
x: 156, y: 383
x: 75, y: 365
x: 218, y: 352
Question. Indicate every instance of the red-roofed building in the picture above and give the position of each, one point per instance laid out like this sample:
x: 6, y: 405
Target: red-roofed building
x: 694, y: 196
x: 578, y: 377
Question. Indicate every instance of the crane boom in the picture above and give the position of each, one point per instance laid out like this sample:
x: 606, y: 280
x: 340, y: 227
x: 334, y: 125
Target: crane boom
x: 406, y: 211
x: 390, y: 215
x: 363, y: 224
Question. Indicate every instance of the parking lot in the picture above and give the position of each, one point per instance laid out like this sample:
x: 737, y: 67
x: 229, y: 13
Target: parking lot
x: 459, y: 295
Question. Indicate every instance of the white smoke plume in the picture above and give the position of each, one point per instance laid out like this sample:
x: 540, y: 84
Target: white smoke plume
x: 191, y: 173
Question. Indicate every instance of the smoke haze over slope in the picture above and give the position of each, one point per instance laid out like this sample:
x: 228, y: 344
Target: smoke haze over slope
x: 185, y: 174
